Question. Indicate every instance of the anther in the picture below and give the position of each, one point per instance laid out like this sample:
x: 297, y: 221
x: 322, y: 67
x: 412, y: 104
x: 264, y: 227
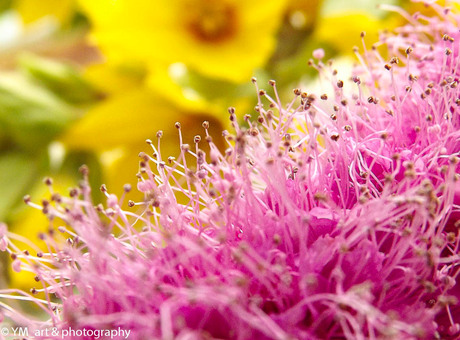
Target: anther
x: 73, y: 192
x: 56, y: 197
x: 335, y: 137
x: 446, y: 37
x: 84, y: 170
x: 253, y: 131
x: 144, y: 156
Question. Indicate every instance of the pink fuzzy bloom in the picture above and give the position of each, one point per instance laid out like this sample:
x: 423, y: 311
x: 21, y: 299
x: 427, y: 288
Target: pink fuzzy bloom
x: 329, y: 218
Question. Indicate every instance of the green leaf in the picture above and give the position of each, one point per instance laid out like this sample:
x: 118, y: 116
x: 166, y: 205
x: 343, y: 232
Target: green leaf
x: 62, y: 79
x: 17, y: 171
x: 30, y: 116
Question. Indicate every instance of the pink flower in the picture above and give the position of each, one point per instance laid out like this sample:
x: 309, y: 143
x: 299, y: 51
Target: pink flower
x: 282, y: 236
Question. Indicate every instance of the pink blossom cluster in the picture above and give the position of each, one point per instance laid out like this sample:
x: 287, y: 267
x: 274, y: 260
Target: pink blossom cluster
x: 334, y: 217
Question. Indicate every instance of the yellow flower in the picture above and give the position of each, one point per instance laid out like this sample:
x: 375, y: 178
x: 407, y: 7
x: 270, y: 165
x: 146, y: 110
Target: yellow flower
x: 115, y: 79
x: 32, y: 10
x: 341, y: 31
x: 117, y: 129
x: 341, y: 22
x: 224, y: 39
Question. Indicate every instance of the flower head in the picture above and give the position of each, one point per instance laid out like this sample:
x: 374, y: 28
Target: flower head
x: 333, y: 217
x: 203, y: 34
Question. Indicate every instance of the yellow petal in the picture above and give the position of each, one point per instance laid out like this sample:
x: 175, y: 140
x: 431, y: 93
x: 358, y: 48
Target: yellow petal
x: 32, y: 10
x: 113, y: 79
x: 132, y: 118
x: 164, y: 30
x: 342, y: 32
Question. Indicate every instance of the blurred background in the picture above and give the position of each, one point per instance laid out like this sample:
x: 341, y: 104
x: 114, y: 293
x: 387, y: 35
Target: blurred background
x: 88, y: 81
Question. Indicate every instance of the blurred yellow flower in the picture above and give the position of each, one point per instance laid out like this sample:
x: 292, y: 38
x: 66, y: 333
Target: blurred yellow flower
x: 224, y: 39
x: 32, y: 10
x: 117, y: 129
x: 115, y: 79
x: 342, y: 31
